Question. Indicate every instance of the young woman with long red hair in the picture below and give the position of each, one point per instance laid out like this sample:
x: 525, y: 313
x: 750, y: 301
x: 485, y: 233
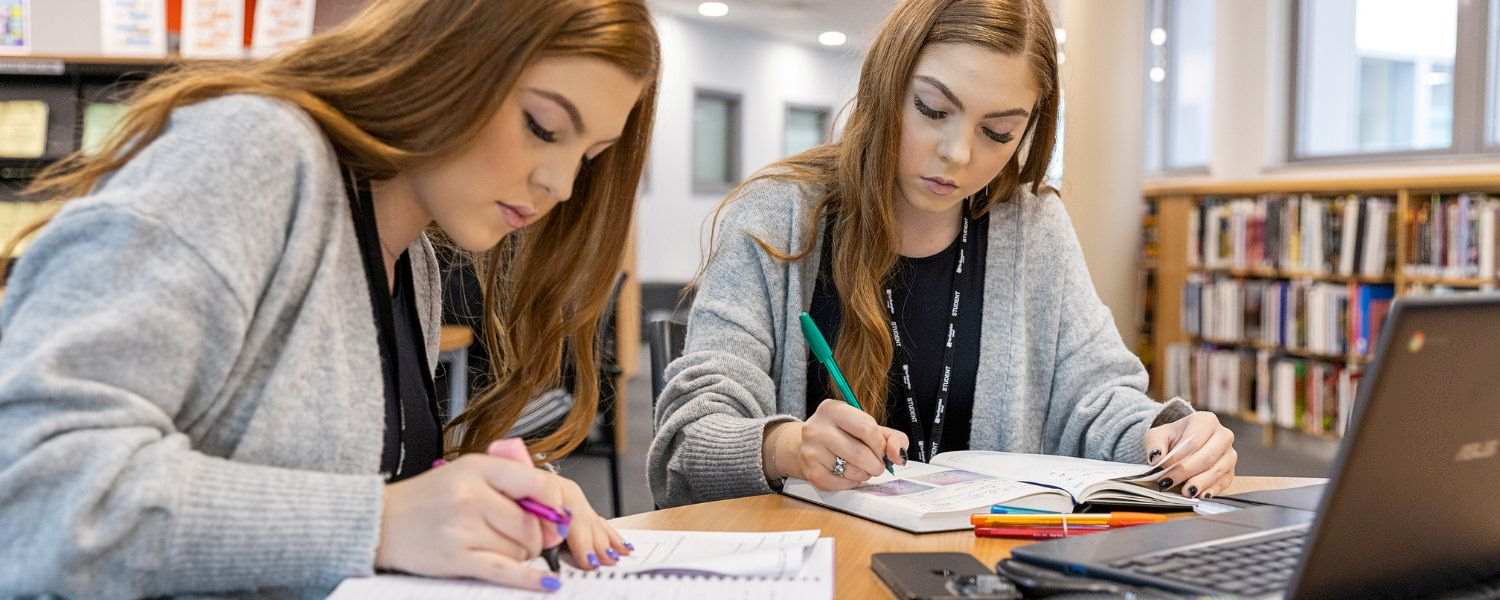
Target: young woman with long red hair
x: 215, y: 369
x: 946, y: 273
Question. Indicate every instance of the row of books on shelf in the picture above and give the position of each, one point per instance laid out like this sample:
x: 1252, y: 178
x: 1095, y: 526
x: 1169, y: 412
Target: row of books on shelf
x: 1345, y: 235
x: 1453, y: 236
x: 1262, y: 386
x: 1298, y: 316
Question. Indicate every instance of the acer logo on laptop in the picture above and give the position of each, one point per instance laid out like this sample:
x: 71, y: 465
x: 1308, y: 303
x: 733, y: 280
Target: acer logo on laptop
x: 1477, y: 451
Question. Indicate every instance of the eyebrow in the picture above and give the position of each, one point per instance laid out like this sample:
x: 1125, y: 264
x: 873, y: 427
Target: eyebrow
x: 566, y: 105
x: 1014, y: 112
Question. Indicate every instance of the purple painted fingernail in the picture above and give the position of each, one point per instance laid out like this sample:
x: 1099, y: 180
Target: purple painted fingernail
x: 612, y: 554
x: 562, y: 530
x: 551, y: 583
x: 593, y: 560
x: 629, y: 546
x: 438, y: 463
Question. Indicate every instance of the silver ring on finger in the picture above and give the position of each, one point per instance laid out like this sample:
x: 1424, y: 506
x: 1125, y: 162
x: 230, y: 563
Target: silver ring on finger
x: 839, y: 465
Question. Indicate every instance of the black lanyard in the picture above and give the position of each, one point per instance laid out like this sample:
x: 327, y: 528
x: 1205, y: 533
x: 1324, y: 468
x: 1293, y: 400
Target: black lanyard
x: 928, y: 443
x: 362, y: 204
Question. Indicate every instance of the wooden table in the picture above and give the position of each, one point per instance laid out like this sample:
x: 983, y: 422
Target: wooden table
x: 856, y: 539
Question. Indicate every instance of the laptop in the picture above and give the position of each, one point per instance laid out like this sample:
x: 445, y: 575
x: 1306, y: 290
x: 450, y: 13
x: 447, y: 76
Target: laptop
x: 1412, y: 509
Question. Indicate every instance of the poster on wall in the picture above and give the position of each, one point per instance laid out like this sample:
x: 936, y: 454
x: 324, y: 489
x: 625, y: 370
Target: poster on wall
x: 133, y: 27
x: 280, y: 24
x: 213, y: 28
x: 15, y: 26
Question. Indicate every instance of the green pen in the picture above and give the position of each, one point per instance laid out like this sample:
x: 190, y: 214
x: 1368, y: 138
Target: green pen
x: 824, y: 354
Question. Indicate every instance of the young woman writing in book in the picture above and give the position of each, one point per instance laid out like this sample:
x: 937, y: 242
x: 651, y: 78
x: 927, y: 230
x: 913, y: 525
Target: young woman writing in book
x: 215, y: 362
x: 947, y: 277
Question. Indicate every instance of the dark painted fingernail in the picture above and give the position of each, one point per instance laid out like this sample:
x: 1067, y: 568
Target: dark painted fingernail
x: 1154, y: 455
x: 1165, y: 484
x: 1192, y: 491
x: 903, y: 456
x: 593, y: 560
x: 562, y: 530
x: 1207, y: 496
x: 629, y: 546
x: 612, y: 554
x: 551, y: 583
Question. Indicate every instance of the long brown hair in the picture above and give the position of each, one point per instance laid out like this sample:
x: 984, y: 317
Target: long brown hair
x: 406, y: 82
x: 855, y: 175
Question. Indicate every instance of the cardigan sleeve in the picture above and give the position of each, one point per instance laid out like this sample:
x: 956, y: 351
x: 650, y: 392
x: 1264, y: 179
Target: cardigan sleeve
x: 720, y: 394
x: 1099, y: 404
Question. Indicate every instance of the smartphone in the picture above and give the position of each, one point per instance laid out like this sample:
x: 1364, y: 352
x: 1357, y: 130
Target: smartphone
x: 940, y: 576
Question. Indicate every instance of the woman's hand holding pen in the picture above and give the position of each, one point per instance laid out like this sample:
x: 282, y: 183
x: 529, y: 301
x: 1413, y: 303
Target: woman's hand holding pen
x: 592, y: 541
x: 808, y: 450
x: 1202, y: 451
x: 462, y: 521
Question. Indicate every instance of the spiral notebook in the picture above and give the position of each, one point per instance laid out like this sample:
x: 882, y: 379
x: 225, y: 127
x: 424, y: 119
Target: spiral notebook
x: 666, y: 565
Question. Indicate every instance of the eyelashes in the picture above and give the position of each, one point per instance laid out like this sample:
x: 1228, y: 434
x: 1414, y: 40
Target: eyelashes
x: 938, y: 115
x: 536, y: 129
x: 928, y: 111
x: 1003, y: 138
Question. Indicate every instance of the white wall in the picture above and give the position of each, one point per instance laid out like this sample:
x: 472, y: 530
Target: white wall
x: 767, y: 74
x: 1104, y: 86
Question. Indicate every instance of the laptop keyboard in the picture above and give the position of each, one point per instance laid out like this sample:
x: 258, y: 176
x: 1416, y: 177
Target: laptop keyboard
x: 1246, y: 568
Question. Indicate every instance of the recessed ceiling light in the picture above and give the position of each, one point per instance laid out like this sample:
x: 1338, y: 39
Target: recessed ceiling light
x: 713, y: 9
x: 832, y: 38
x: 1158, y: 36
x: 1158, y: 74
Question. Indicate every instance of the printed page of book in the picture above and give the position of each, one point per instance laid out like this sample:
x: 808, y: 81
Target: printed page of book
x: 1075, y: 475
x: 922, y: 497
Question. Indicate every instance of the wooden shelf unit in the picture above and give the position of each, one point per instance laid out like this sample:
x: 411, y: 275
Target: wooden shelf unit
x: 1174, y: 203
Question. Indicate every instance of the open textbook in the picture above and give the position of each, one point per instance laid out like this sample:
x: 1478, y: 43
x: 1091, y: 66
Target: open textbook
x: 666, y: 565
x: 941, y: 495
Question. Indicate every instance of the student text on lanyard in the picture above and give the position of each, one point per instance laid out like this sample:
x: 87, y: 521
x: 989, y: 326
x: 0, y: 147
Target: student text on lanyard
x: 928, y: 443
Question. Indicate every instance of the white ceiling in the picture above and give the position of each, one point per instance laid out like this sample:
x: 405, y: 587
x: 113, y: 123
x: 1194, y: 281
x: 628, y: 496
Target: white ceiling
x: 798, y: 21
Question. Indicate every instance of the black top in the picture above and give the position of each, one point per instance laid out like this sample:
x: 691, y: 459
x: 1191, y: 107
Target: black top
x: 419, y: 434
x: 922, y: 289
x: 413, y: 438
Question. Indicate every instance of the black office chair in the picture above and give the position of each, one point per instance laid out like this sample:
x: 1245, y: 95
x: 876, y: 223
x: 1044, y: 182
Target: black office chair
x: 601, y: 440
x: 664, y: 337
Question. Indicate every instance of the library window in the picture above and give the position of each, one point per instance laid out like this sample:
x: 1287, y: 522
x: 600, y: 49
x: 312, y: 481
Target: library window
x: 805, y: 128
x: 1379, y: 77
x: 716, y: 136
x: 1180, y: 81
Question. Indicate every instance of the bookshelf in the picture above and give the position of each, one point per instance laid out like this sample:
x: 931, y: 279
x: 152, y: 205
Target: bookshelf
x: 1247, y: 363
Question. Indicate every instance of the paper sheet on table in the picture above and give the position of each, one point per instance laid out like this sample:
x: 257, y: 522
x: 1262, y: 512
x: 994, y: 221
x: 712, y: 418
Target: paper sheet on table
x: 775, y: 554
x: 812, y: 581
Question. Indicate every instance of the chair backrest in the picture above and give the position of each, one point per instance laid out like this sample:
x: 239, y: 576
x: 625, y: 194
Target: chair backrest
x: 664, y: 337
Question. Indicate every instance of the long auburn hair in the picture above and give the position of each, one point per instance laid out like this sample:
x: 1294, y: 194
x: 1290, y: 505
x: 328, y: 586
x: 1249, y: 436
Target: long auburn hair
x: 854, y: 176
x: 409, y: 81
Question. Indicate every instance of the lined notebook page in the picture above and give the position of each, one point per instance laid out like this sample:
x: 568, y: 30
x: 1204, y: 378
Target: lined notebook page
x: 813, y: 580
